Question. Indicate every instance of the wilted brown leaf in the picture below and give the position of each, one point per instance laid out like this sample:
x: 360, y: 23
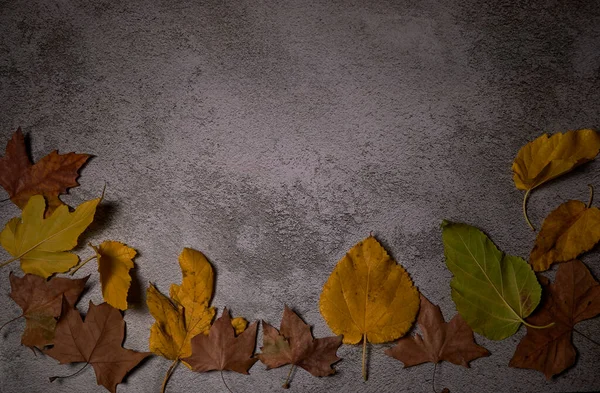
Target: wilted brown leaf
x: 96, y: 341
x: 295, y: 345
x: 221, y: 349
x: 450, y: 341
x: 573, y: 297
x: 51, y: 176
x: 41, y: 302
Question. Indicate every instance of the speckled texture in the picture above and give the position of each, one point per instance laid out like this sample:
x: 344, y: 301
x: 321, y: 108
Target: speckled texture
x: 273, y: 136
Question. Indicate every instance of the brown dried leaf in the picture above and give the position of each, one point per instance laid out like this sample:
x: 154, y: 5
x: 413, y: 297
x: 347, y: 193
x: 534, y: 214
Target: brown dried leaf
x: 41, y: 302
x: 573, y: 297
x: 296, y: 345
x: 96, y: 341
x: 51, y: 176
x: 450, y: 341
x: 221, y: 349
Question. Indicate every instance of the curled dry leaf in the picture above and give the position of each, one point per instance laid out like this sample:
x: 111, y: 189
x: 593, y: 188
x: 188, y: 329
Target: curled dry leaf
x: 222, y: 350
x: 115, y: 260
x: 369, y: 297
x: 39, y: 243
x: 41, y: 302
x: 546, y: 158
x: 295, y: 345
x: 97, y: 341
x: 573, y: 297
x: 440, y: 341
x: 492, y: 291
x: 51, y: 176
x: 570, y: 230
x: 186, y: 314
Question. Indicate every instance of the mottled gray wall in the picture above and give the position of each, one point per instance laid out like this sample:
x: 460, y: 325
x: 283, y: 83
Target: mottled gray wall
x: 273, y: 136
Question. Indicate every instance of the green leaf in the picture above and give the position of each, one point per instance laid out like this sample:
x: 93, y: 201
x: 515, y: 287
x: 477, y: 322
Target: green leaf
x: 493, y: 292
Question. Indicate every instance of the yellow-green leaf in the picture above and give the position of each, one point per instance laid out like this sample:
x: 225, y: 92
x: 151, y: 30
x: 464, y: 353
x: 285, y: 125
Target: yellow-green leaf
x: 546, y: 158
x: 41, y: 244
x: 114, y: 263
x: 187, y: 313
x: 567, y: 232
x: 493, y: 292
x: 369, y: 297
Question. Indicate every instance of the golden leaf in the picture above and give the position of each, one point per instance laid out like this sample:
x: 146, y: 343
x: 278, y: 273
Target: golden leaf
x: 39, y: 243
x: 186, y: 314
x: 369, y: 297
x: 570, y: 230
x: 114, y: 263
x: 546, y: 158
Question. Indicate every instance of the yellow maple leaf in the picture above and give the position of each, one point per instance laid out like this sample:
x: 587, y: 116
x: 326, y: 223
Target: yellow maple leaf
x: 186, y: 314
x: 114, y: 263
x: 546, y: 158
x: 369, y: 297
x: 570, y: 230
x: 41, y: 244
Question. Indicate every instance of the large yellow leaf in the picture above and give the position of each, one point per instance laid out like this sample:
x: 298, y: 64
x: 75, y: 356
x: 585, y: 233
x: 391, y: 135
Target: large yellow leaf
x: 546, y: 158
x: 39, y: 243
x: 187, y: 313
x: 369, y: 297
x: 114, y: 263
x: 567, y: 232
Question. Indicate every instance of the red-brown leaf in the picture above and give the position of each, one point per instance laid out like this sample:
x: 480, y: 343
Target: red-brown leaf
x: 96, y: 341
x: 294, y: 344
x: 51, y: 176
x: 573, y: 297
x: 221, y: 349
x: 450, y: 341
x: 41, y: 302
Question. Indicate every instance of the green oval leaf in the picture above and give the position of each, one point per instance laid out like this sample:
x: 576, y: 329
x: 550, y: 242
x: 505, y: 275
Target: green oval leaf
x: 493, y: 292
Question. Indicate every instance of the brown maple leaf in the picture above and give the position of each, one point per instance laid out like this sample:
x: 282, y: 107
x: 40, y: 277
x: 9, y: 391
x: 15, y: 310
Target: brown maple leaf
x: 295, y: 345
x: 41, y: 302
x: 450, y: 341
x: 50, y: 176
x: 573, y: 297
x: 221, y: 349
x: 97, y: 341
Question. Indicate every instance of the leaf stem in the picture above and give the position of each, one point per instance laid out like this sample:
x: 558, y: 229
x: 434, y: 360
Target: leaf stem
x: 433, y: 379
x: 537, y: 327
x: 364, y: 357
x: 225, y: 383
x: 525, y: 198
x: 591, y: 196
x: 52, y: 379
x: 12, y: 320
x: 583, y: 335
x: 83, y: 263
x: 286, y: 384
x: 9, y: 261
x: 169, y: 372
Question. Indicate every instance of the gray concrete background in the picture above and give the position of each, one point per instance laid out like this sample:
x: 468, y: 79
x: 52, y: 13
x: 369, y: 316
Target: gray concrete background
x: 273, y: 136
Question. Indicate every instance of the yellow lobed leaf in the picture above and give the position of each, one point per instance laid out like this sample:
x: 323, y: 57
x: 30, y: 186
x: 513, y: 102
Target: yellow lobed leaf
x: 548, y: 157
x: 369, y: 295
x: 187, y: 313
x: 39, y: 243
x: 114, y: 263
x: 570, y: 230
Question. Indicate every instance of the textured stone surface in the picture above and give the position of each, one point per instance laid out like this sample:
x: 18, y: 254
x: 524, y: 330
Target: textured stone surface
x: 273, y: 136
